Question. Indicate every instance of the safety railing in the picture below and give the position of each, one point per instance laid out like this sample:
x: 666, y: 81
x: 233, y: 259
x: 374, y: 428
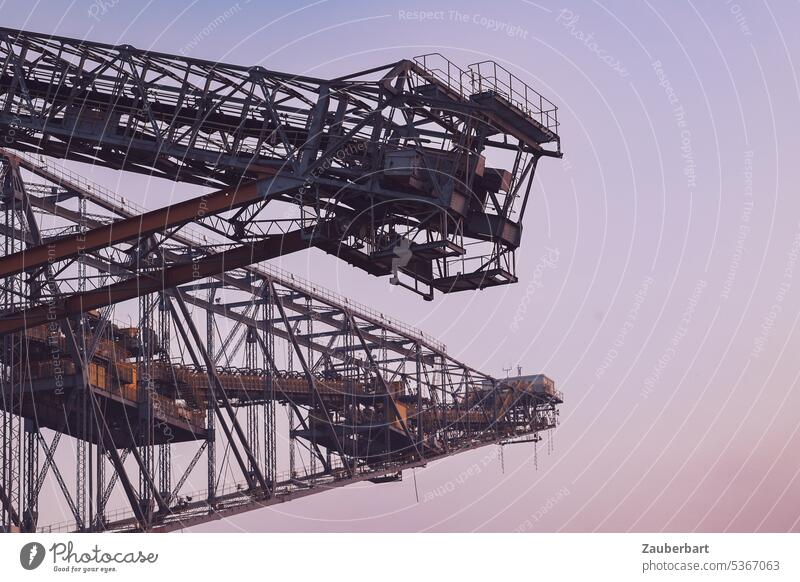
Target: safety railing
x: 69, y: 177
x: 358, y: 309
x: 488, y: 76
x: 440, y: 68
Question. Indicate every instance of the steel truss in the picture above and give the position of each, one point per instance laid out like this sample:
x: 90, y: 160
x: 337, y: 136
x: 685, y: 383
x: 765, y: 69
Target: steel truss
x: 369, y: 396
x: 387, y: 169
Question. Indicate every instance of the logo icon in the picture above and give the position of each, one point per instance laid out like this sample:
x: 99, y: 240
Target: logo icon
x: 31, y: 555
x: 402, y: 256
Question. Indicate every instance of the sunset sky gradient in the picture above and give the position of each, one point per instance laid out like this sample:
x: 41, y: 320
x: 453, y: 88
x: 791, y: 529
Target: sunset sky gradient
x: 659, y: 269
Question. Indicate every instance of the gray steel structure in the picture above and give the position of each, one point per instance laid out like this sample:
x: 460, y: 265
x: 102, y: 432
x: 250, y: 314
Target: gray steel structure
x: 386, y: 168
x: 389, y: 174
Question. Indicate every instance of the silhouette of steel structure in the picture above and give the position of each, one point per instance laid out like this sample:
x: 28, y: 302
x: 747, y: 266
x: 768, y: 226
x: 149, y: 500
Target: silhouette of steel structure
x: 386, y: 169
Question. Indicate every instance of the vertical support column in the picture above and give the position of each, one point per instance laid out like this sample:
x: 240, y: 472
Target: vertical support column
x: 31, y: 515
x: 100, y: 518
x: 312, y: 464
x: 102, y: 494
x: 496, y: 410
x: 12, y: 443
x: 164, y: 449
x: 270, y: 429
x: 80, y: 456
x: 252, y: 408
x: 164, y: 471
x: 420, y: 412
x: 389, y: 406
x: 11, y: 380
x: 211, y: 451
x: 447, y: 426
x: 292, y: 427
x: 144, y: 365
x: 81, y: 446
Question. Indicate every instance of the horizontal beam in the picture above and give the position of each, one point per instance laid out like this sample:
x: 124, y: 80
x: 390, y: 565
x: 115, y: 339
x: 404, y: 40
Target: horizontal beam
x: 142, y: 284
x: 138, y: 227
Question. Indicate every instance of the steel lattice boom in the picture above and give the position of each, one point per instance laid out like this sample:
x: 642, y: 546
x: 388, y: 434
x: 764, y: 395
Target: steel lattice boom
x: 386, y: 168
x: 231, y: 378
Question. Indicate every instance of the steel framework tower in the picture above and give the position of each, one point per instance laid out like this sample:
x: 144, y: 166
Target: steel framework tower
x: 385, y: 168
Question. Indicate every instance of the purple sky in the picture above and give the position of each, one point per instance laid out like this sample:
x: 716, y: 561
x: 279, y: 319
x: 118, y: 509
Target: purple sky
x: 659, y: 276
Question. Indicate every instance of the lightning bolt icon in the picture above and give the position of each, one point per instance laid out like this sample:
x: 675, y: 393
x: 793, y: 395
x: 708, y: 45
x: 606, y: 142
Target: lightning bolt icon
x: 32, y: 554
x: 402, y: 256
